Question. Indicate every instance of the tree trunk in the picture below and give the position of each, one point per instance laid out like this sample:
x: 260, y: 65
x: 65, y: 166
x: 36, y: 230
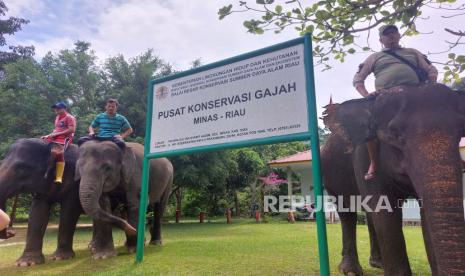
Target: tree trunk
x: 13, y: 210
x: 179, y: 200
x: 236, y: 204
x: 254, y: 199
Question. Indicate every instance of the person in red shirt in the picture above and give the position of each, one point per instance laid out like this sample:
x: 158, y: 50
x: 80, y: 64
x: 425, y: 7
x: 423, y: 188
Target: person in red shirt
x: 61, y: 136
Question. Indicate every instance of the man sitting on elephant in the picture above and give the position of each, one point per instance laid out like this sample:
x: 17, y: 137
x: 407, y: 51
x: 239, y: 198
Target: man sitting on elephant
x: 111, y: 126
x: 61, y: 136
x: 394, y: 66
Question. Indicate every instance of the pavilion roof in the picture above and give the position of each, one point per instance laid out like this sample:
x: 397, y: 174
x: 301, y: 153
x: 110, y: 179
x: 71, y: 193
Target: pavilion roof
x: 304, y: 156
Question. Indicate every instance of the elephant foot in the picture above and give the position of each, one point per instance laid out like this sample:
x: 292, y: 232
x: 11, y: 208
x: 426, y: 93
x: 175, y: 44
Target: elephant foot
x: 104, y: 254
x: 156, y: 242
x: 131, y: 245
x: 61, y: 254
x: 376, y: 262
x: 131, y: 249
x: 30, y: 259
x: 91, y: 246
x: 351, y: 267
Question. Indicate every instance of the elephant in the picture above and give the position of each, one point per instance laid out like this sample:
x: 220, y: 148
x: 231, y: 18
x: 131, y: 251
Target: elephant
x: 418, y: 130
x: 339, y: 180
x: 106, y: 171
x: 28, y: 168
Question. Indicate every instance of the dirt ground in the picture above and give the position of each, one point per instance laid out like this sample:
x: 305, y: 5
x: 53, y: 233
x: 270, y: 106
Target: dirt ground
x: 21, y: 230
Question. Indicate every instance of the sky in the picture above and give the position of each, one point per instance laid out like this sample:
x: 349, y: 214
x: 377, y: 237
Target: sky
x: 181, y: 31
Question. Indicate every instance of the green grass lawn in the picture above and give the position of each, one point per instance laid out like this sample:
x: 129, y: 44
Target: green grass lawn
x: 241, y: 248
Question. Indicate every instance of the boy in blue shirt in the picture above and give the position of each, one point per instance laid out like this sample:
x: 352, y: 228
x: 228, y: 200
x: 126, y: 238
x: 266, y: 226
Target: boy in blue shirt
x: 110, y: 126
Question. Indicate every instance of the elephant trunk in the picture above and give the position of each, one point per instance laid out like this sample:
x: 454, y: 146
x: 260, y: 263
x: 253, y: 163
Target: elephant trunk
x: 89, y: 194
x: 438, y: 180
x: 444, y: 215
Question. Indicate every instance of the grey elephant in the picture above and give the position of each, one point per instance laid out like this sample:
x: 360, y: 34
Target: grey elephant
x: 418, y: 132
x: 107, y: 171
x: 27, y: 168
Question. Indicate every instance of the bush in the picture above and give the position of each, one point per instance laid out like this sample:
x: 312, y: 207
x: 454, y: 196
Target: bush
x: 361, y: 218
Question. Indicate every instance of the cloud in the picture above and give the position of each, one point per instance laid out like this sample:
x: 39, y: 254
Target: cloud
x: 54, y: 45
x: 24, y: 8
x: 179, y: 31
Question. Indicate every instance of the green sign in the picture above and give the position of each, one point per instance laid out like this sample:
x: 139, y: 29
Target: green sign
x: 262, y: 97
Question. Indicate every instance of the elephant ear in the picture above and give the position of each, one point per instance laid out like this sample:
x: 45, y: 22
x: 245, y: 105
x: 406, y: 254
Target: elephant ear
x: 128, y: 164
x: 352, y: 120
x: 77, y: 173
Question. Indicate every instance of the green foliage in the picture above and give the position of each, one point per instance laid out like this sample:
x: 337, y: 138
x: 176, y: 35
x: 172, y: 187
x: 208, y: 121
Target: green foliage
x: 22, y: 207
x: 335, y: 23
x: 10, y: 26
x: 127, y: 81
x: 210, y: 181
x: 24, y: 109
x: 361, y: 218
x: 459, y: 85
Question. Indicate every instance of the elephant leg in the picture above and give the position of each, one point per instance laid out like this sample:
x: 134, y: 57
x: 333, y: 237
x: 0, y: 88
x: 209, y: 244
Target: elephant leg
x: 69, y: 215
x: 155, y: 230
x: 102, y: 245
x: 350, y: 263
x: 428, y: 243
x: 388, y: 227
x: 38, y: 219
x: 133, y: 219
x: 133, y: 203
x: 375, y: 251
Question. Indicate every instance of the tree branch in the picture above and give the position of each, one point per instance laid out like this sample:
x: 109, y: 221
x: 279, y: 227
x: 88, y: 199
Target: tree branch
x: 458, y: 33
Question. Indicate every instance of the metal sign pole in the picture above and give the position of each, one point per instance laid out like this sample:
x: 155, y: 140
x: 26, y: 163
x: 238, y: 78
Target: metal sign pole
x: 145, y: 178
x: 315, y: 148
x: 142, y: 211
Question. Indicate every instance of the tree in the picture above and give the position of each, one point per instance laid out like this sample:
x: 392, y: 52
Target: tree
x: 24, y: 110
x: 127, y: 81
x: 10, y: 26
x: 335, y: 24
x: 79, y: 68
x: 459, y: 85
x: 203, y: 177
x: 243, y: 172
x: 73, y: 76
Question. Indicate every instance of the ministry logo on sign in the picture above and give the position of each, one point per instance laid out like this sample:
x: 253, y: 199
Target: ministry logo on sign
x: 162, y: 92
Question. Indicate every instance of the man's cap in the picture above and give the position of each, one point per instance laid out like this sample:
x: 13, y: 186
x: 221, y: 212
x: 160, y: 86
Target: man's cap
x: 59, y: 105
x: 386, y: 28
